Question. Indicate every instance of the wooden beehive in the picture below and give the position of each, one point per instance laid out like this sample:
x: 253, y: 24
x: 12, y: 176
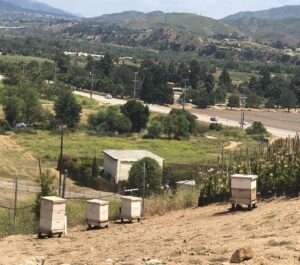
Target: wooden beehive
x: 52, y: 215
x: 131, y: 207
x: 97, y: 212
x: 243, y: 189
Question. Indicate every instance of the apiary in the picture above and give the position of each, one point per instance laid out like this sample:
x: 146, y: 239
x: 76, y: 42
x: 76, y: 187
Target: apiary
x: 131, y: 208
x: 97, y: 213
x: 243, y: 190
x: 52, y: 216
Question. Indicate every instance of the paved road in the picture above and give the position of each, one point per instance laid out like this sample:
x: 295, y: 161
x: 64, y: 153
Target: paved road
x: 278, y: 124
x: 93, y: 194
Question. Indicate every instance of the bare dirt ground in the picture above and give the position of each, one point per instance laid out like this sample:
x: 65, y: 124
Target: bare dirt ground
x: 196, y: 236
x: 281, y: 119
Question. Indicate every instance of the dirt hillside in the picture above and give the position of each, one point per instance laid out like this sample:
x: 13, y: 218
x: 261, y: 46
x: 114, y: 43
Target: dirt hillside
x: 196, y: 236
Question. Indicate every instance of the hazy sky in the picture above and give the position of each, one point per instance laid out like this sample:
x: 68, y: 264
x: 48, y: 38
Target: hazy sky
x: 211, y: 8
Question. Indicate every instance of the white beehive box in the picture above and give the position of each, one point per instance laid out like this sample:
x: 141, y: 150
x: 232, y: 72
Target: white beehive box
x: 243, y: 189
x: 131, y: 207
x: 246, y: 182
x: 52, y: 214
x: 97, y: 212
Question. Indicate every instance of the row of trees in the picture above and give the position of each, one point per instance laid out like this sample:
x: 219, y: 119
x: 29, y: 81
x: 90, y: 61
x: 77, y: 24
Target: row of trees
x: 21, y: 104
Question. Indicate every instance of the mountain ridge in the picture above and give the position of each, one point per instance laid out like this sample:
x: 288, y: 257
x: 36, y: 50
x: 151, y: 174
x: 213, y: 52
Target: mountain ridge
x: 287, y: 11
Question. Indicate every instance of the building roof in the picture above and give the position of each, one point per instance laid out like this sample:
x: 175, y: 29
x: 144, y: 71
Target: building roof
x: 130, y: 155
x: 187, y: 182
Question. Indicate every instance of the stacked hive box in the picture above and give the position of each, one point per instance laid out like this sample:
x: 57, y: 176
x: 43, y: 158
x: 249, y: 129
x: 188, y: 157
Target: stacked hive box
x: 97, y: 213
x: 243, y: 190
x: 131, y: 208
x: 52, y: 215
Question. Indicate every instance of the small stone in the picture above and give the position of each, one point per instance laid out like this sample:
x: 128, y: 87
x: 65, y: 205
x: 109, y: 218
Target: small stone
x: 242, y: 254
x: 34, y: 261
x: 153, y: 262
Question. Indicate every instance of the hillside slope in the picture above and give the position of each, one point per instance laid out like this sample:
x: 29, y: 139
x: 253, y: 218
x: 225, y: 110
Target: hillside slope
x: 290, y: 11
x: 37, y: 6
x: 197, y: 236
x: 190, y: 22
x: 270, y: 30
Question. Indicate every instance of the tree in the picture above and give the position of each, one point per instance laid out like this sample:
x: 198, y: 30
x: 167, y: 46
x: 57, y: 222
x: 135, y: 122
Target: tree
x: 67, y: 109
x: 176, y: 126
x: 110, y: 120
x: 234, y: 101
x: 155, y: 128
x: 95, y: 168
x: 252, y: 101
x: 256, y: 128
x: 288, y: 99
x: 46, y: 180
x: 153, y: 176
x: 137, y: 113
x: 13, y: 107
x: 225, y: 80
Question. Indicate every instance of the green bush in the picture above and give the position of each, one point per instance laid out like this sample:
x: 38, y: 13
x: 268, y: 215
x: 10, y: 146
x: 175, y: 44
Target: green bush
x: 216, y: 126
x: 153, y: 176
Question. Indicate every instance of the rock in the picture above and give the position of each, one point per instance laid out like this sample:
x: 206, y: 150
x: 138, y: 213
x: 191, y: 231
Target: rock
x: 34, y: 261
x: 242, y: 254
x: 153, y: 262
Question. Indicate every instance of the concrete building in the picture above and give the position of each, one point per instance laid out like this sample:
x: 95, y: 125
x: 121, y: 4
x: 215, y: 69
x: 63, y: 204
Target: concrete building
x: 186, y: 185
x: 117, y: 163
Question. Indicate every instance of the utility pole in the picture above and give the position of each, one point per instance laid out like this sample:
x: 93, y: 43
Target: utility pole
x: 92, y: 85
x: 184, y: 92
x: 61, y: 158
x: 55, y: 72
x: 135, y: 81
x: 144, y: 187
x: 15, y: 205
x: 242, y: 110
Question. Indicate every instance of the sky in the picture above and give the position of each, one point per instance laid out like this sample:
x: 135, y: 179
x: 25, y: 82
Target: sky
x: 210, y: 8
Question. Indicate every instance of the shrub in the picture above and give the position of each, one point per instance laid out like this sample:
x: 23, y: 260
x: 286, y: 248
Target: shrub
x: 153, y: 176
x: 257, y: 128
x: 216, y: 126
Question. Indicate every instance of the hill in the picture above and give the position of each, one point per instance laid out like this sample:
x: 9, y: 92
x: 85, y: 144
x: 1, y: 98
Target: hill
x: 291, y: 11
x: 287, y: 30
x: 186, y: 21
x: 196, y: 236
x: 37, y: 6
x: 29, y: 10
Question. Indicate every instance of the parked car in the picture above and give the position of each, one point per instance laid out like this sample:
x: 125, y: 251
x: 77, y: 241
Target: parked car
x: 214, y: 119
x: 21, y: 125
x: 108, y: 96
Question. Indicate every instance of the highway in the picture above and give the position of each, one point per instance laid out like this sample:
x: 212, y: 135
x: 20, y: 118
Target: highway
x: 278, y: 131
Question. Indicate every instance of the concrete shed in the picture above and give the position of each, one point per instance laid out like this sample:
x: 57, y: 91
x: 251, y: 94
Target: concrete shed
x: 117, y: 163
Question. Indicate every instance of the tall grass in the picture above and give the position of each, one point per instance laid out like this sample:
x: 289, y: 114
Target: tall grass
x: 171, y: 201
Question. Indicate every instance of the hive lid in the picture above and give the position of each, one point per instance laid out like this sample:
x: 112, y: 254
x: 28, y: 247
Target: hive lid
x: 54, y: 199
x: 131, y: 198
x: 100, y: 202
x: 241, y: 176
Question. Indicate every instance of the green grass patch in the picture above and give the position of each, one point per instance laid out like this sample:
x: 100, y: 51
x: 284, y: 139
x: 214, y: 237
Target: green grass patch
x: 24, y: 59
x: 46, y: 145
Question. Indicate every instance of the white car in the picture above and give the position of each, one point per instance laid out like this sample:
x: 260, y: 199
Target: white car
x: 108, y: 96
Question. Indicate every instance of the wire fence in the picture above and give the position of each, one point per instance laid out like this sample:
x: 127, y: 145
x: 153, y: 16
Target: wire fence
x: 19, y: 217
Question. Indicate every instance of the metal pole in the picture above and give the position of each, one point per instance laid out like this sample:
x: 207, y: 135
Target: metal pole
x: 60, y: 158
x: 184, y: 93
x: 135, y: 83
x: 144, y: 187
x: 15, y: 205
x: 242, y: 110
x: 92, y: 86
x: 64, y: 184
